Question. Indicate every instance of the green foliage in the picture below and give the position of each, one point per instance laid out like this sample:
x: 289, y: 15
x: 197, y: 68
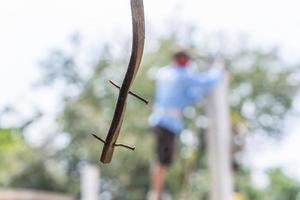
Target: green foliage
x: 36, y: 176
x: 14, y: 152
x: 282, y: 187
x: 261, y: 95
x: 22, y: 166
x: 245, y: 187
x: 262, y: 89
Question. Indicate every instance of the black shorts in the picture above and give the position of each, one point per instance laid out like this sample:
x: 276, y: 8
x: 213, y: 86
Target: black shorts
x: 165, y: 145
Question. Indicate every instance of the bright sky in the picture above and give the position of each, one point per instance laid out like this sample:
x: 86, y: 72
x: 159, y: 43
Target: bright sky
x: 28, y: 29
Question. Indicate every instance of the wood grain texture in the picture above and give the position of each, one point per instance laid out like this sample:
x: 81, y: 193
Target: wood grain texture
x: 20, y: 194
x: 138, y: 29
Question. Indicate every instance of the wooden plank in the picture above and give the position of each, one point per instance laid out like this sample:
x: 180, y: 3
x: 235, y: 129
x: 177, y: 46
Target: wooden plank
x: 19, y: 194
x: 218, y: 140
x: 90, y: 182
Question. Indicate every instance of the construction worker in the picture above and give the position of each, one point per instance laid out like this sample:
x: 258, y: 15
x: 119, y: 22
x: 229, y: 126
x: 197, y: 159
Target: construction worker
x: 177, y: 86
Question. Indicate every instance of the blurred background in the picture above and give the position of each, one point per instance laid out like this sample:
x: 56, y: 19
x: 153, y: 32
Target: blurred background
x: 57, y: 57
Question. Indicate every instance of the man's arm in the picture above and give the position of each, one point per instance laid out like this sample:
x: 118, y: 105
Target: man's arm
x: 201, y: 83
x: 210, y: 78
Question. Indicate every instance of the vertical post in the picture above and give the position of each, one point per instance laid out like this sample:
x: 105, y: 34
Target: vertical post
x: 90, y: 182
x: 218, y: 140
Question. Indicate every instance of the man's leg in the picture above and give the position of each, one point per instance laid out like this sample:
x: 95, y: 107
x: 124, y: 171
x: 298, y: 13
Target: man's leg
x: 165, y: 145
x: 158, y: 180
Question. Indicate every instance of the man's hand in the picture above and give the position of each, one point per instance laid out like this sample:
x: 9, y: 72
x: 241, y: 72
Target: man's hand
x: 219, y: 63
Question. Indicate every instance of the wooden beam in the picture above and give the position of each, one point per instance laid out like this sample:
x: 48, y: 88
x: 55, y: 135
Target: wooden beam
x: 218, y: 140
x: 20, y: 194
x: 90, y: 182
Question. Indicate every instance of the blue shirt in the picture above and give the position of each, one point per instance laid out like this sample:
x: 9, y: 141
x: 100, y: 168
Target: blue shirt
x: 176, y: 88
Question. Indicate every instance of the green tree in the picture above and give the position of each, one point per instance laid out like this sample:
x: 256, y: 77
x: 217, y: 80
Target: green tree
x: 23, y: 166
x: 13, y: 153
x: 261, y: 94
x: 282, y: 187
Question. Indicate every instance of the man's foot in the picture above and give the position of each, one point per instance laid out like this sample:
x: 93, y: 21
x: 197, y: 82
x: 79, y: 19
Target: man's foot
x: 156, y: 196
x: 166, y: 196
x: 153, y: 196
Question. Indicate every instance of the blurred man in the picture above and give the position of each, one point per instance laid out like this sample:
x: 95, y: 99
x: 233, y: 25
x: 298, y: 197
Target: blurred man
x: 177, y: 87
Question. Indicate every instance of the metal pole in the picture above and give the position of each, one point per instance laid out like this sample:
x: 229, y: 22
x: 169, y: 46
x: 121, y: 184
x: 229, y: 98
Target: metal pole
x: 218, y: 140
